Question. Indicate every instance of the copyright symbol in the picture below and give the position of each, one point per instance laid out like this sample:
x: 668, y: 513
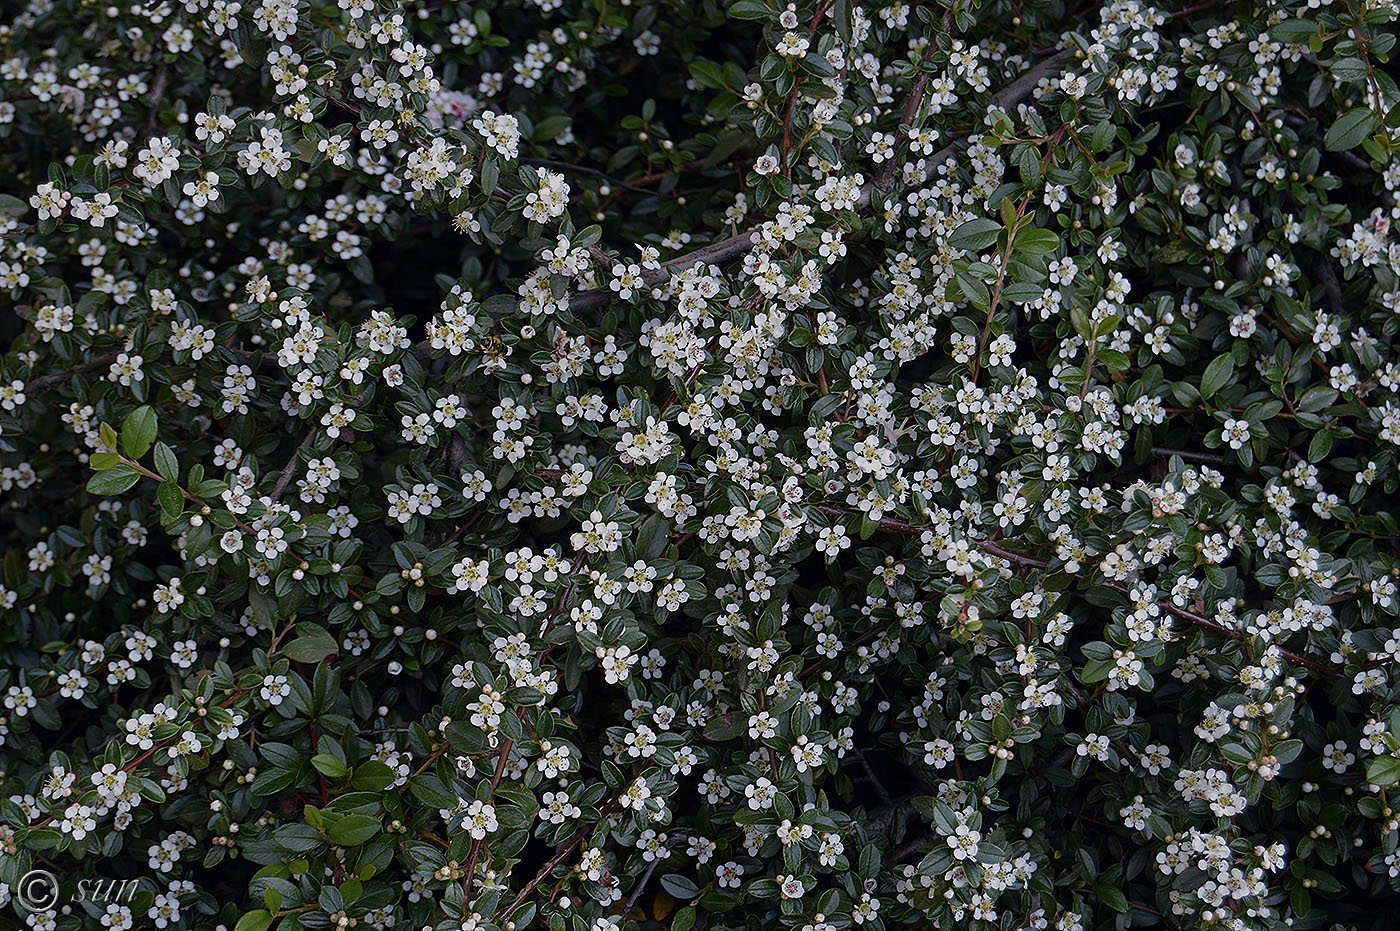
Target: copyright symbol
x: 38, y: 890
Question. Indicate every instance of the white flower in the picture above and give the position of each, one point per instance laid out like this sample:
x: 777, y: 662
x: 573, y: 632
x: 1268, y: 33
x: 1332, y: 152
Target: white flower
x: 964, y: 842
x: 274, y: 689
x: 479, y: 819
x: 77, y: 821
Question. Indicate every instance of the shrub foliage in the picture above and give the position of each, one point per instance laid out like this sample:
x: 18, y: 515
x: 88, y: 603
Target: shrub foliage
x: 703, y: 463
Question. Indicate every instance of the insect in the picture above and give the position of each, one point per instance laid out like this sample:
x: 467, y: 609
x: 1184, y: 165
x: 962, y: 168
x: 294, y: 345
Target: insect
x: 562, y: 345
x: 493, y: 348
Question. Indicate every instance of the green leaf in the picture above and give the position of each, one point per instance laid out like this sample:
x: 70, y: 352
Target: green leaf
x: 372, y: 776
x: 166, y: 463
x: 430, y: 790
x: 975, y: 291
x: 1113, y: 897
x: 113, y: 481
x: 1294, y: 31
x: 679, y: 886
x: 1352, y: 127
x: 1350, y: 69
x: 975, y: 235
x: 721, y: 729
x: 748, y: 9
x: 684, y: 920
x: 490, y: 174
x: 1320, y: 445
x: 841, y: 16
x: 310, y: 649
x: 1102, y: 135
x: 12, y: 207
x: 1029, y: 163
x: 1079, y: 319
x: 139, y: 431
x: 1036, y: 242
x: 1021, y: 292
x: 329, y: 765
x: 1096, y: 670
x: 1217, y: 374
x: 707, y: 74
x: 1384, y: 771
x: 652, y: 537
x: 259, y: 920
x: 353, y: 830
x: 817, y: 65
x: 549, y: 128
x: 1115, y: 360
x: 172, y: 502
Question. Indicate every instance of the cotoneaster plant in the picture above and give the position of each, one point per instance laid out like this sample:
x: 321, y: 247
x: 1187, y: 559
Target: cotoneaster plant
x: 699, y: 465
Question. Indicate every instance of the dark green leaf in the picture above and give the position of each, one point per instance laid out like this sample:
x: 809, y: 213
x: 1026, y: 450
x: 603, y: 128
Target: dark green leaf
x: 353, y: 830
x: 139, y: 431
x: 975, y: 235
x: 1036, y: 241
x: 113, y: 481
x: 311, y: 648
x: 679, y: 886
x: 749, y: 9
x: 1353, y: 126
x: 1217, y: 374
x: 1384, y: 770
x: 172, y: 502
x: 166, y: 463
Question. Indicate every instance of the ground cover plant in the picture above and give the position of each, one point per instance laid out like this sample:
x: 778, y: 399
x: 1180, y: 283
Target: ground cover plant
x: 699, y: 464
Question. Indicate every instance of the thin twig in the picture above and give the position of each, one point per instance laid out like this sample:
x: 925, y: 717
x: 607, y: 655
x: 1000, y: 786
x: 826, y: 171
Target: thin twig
x: 884, y: 180
x: 162, y: 83
x: 559, y: 856
x: 736, y: 246
x: 290, y: 468
x: 585, y: 170
x: 44, y: 382
x: 1165, y: 604
x: 637, y: 891
x: 476, y: 844
x: 792, y: 95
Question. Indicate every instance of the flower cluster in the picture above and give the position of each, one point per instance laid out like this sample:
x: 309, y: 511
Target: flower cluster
x: 818, y: 465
